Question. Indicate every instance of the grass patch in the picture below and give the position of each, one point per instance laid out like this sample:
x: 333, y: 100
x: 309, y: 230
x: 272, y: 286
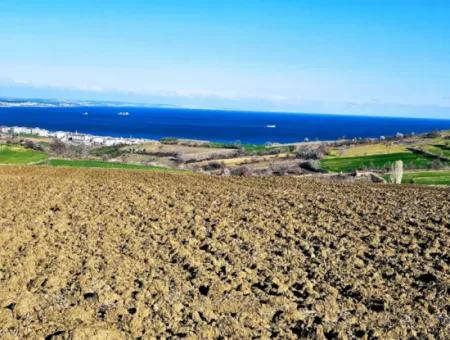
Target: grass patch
x: 441, y: 150
x: 253, y: 149
x: 249, y: 149
x: 219, y: 145
x: 168, y: 140
x: 427, y: 177
x: 15, y: 154
x: 87, y: 163
x: 108, y: 151
x: 348, y: 164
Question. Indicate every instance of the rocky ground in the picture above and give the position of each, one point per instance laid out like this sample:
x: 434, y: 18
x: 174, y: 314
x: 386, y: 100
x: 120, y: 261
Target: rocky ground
x: 109, y: 254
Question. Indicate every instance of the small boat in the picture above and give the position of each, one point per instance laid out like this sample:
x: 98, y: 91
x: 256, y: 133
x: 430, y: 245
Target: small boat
x: 85, y: 113
x: 123, y: 114
x: 271, y: 126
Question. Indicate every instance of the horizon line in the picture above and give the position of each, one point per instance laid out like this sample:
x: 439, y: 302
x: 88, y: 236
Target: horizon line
x: 113, y: 103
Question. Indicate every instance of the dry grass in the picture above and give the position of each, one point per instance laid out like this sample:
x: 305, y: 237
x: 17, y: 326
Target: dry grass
x: 156, y: 147
x: 229, y: 162
x: 368, y: 149
x: 124, y: 254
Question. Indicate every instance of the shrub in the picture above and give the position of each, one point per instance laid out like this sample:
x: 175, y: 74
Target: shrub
x: 436, y: 164
x: 310, y: 152
x: 57, y: 147
x: 31, y: 145
x: 433, y: 134
x: 169, y: 140
x: 279, y: 169
x: 28, y: 144
x: 213, y: 166
x: 108, y: 152
x: 243, y: 171
x: 313, y: 165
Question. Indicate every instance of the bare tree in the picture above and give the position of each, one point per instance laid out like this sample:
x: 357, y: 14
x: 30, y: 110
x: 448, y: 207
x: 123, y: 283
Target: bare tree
x: 84, y: 151
x: 58, y: 147
x: 29, y: 144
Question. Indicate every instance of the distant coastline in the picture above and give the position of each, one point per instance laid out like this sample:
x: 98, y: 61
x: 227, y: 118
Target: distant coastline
x: 7, y: 102
x: 154, y: 123
x: 75, y: 137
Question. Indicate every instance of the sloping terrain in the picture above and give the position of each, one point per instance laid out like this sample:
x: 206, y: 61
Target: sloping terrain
x: 111, y: 254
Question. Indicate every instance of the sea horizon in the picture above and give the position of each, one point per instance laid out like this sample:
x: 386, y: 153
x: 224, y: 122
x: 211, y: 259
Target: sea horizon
x: 255, y: 127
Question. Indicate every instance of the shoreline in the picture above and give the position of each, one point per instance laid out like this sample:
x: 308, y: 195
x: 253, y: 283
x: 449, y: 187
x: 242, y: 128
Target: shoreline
x: 106, y: 140
x: 74, y: 137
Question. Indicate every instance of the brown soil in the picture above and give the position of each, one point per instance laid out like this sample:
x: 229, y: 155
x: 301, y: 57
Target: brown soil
x: 95, y: 254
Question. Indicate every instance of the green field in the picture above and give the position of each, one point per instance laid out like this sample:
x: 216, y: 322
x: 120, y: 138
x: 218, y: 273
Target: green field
x: 427, y: 177
x: 439, y: 149
x: 108, y: 151
x: 101, y: 164
x: 15, y: 154
x: 251, y: 149
x: 348, y: 164
x: 441, y: 177
x: 220, y: 145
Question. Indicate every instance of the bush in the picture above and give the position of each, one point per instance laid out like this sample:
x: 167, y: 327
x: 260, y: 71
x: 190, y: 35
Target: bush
x: 57, y: 147
x: 279, y: 169
x: 31, y: 145
x: 436, y: 164
x: 28, y: 144
x: 213, y: 166
x: 313, y: 165
x: 433, y: 134
x: 107, y: 152
x: 243, y: 171
x: 169, y: 140
x: 308, y: 152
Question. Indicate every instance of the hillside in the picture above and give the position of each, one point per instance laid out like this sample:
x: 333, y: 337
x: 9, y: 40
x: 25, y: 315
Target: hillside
x: 115, y: 254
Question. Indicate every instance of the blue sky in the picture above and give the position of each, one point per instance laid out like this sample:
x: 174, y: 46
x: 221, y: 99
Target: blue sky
x: 356, y: 56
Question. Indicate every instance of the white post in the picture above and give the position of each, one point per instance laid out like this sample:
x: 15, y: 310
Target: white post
x: 397, y: 172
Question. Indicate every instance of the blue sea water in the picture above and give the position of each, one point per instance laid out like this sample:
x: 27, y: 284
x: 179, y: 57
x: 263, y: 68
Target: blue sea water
x: 214, y: 125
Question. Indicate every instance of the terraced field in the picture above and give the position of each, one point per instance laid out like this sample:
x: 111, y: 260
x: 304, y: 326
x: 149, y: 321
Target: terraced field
x: 439, y: 149
x: 87, y: 163
x: 427, y: 177
x: 108, y: 254
x: 348, y: 164
x: 368, y: 149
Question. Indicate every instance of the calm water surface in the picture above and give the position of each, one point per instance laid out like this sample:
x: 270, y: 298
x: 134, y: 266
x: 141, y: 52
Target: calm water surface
x: 214, y: 125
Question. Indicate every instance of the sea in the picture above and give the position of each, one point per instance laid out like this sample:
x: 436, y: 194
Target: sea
x: 212, y: 125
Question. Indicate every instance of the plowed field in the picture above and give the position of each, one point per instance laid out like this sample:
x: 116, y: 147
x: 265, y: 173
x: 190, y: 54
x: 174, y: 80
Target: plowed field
x: 113, y: 254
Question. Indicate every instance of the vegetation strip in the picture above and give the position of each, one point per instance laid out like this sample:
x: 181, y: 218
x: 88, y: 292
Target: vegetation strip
x: 85, y: 163
x: 381, y: 162
x: 15, y: 154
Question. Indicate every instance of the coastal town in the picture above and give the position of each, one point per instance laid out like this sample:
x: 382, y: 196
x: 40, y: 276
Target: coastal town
x: 71, y: 137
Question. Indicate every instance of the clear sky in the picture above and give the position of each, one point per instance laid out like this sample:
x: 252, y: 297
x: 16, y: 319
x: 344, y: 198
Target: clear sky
x: 337, y: 56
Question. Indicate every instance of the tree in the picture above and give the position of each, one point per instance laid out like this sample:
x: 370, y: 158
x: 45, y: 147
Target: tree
x: 58, y: 147
x: 436, y: 164
x: 29, y: 144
